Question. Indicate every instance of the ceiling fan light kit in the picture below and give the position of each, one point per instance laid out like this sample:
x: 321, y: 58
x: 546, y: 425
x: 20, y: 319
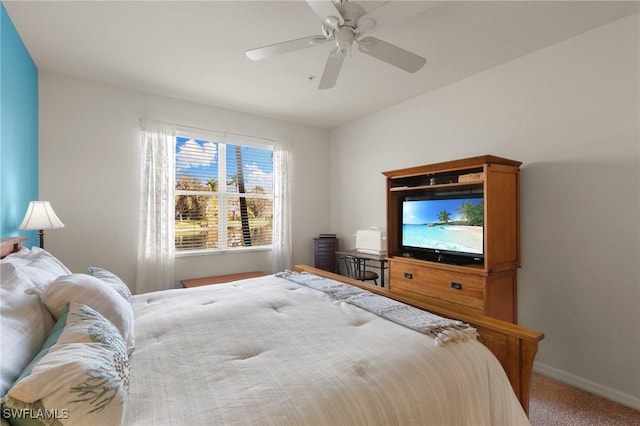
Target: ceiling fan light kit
x: 344, y: 23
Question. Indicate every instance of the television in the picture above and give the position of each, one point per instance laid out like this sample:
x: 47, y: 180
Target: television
x: 447, y: 228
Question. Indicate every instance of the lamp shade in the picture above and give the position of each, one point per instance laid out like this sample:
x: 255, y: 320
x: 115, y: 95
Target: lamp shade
x: 40, y: 215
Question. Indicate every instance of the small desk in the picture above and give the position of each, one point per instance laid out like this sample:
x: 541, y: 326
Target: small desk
x: 366, y: 256
x: 219, y: 279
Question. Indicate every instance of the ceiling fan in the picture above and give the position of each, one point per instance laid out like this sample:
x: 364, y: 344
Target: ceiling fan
x: 344, y: 23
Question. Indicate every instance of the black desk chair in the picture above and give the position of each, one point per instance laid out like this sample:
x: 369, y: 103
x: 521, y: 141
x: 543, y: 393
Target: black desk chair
x: 356, y: 269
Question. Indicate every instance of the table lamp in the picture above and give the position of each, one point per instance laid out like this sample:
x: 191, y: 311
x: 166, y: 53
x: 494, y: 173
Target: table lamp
x: 40, y: 216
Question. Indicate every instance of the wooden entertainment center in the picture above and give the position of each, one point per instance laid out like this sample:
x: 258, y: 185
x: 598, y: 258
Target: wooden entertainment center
x: 486, y: 285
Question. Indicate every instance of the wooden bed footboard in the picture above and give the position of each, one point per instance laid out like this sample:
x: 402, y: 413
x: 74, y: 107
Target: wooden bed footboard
x: 513, y: 345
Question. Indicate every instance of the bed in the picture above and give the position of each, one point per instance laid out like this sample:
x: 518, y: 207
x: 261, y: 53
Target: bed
x: 299, y: 347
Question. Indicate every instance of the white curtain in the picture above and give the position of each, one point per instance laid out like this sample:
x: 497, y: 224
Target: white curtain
x: 282, y: 254
x: 156, y: 244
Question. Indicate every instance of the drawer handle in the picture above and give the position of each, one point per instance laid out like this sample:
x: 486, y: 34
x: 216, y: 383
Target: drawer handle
x: 408, y: 275
x: 456, y: 286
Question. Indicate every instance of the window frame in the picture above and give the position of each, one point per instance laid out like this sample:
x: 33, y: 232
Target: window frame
x: 223, y: 140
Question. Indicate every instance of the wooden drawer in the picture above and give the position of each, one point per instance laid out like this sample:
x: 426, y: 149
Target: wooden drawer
x: 459, y: 288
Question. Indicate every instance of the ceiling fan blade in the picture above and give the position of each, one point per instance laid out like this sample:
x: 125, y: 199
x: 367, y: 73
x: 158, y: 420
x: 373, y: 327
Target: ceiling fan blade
x: 391, y: 54
x: 324, y: 9
x: 394, y: 12
x: 332, y: 69
x: 284, y: 47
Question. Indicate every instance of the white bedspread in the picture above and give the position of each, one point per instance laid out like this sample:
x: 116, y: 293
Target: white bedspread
x: 266, y: 351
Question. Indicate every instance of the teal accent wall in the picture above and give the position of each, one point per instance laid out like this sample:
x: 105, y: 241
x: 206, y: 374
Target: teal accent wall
x: 18, y: 130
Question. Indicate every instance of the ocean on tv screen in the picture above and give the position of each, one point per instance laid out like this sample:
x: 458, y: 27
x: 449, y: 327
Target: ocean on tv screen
x: 448, y: 237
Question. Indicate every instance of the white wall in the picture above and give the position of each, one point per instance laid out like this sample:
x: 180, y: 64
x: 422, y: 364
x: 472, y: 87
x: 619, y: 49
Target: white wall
x: 570, y: 113
x: 89, y: 170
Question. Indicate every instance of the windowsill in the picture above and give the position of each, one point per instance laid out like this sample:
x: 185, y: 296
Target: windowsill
x: 191, y: 253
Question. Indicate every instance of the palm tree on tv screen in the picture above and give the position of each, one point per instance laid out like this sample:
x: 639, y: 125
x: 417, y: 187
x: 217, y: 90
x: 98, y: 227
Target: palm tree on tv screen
x: 472, y: 214
x: 444, y: 216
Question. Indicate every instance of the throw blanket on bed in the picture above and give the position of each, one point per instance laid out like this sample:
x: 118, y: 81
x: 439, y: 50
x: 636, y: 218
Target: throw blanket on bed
x: 442, y: 329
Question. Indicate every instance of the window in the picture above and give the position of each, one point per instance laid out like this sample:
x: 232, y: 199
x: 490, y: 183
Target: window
x: 224, y: 193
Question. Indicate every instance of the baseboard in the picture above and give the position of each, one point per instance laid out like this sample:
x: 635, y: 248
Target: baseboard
x: 587, y: 385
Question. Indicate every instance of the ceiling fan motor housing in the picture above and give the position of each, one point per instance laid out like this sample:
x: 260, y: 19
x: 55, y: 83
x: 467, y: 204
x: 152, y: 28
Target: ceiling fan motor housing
x: 344, y: 38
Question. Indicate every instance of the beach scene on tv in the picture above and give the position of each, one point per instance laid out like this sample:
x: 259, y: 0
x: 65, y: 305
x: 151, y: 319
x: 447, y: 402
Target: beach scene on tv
x: 451, y: 224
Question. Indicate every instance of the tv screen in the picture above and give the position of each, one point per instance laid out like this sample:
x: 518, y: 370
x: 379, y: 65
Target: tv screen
x: 452, y: 224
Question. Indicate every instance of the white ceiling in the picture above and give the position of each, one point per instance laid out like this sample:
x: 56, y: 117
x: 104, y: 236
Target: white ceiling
x: 195, y: 50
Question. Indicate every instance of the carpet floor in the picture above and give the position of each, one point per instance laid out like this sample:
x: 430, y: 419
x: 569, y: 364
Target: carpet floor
x: 555, y: 403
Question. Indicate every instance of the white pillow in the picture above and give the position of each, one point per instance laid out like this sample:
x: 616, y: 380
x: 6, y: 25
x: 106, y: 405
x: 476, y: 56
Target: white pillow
x: 25, y: 323
x: 83, y: 379
x: 94, y: 292
x: 39, y: 265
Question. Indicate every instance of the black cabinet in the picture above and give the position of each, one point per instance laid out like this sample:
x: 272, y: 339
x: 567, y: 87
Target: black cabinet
x: 324, y: 250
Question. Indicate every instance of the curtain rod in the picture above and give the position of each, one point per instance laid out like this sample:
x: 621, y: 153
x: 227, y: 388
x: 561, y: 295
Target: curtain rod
x: 207, y: 130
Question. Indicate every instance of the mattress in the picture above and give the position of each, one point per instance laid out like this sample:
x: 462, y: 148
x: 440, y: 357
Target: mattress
x: 267, y: 351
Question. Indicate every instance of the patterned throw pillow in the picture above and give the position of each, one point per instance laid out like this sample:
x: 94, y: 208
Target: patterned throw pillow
x: 109, y: 277
x: 83, y: 379
x: 123, y: 290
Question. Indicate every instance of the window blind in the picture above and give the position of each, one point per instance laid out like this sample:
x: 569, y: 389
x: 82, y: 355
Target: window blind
x: 224, y: 192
